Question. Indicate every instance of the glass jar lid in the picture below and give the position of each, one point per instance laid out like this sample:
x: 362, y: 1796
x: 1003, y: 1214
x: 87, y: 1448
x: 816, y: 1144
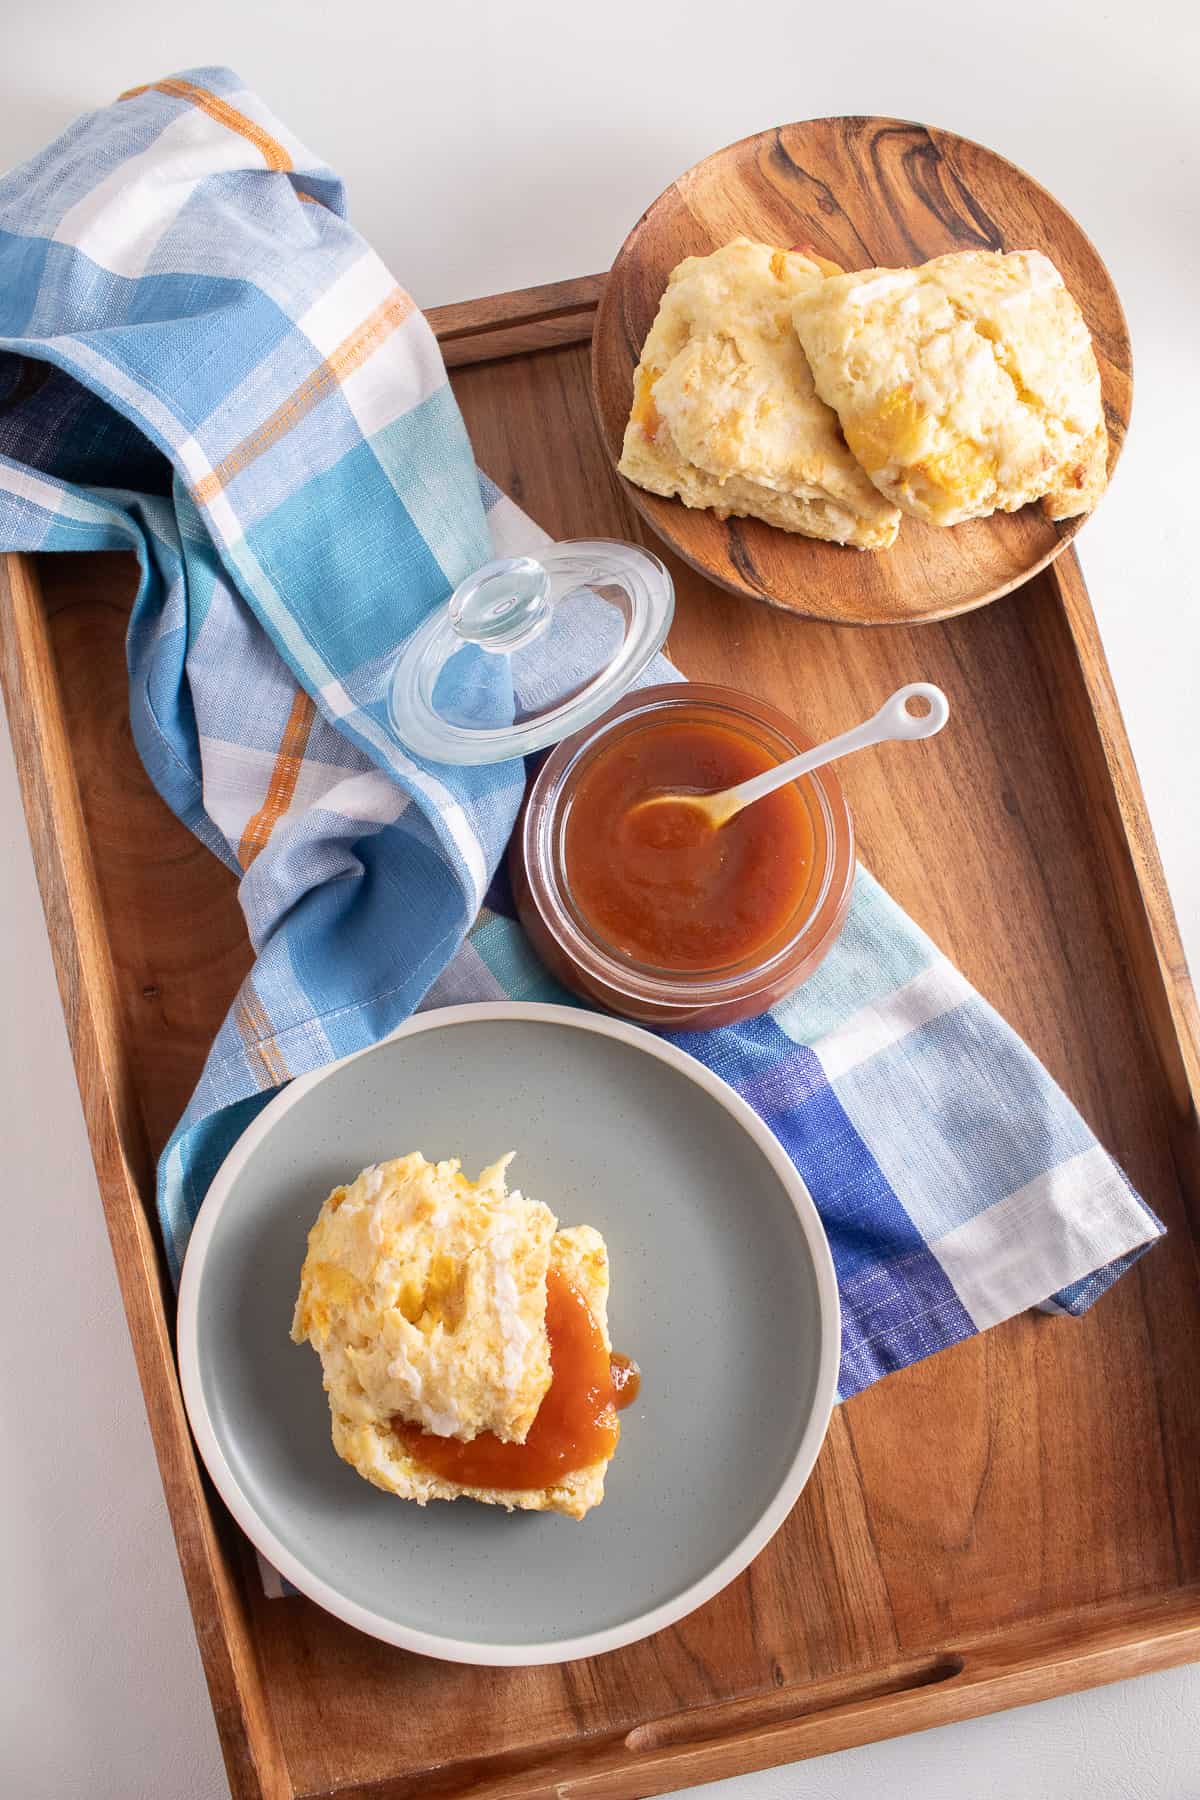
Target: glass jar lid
x: 529, y: 650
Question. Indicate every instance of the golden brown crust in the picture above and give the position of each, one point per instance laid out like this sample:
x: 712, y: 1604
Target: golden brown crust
x: 424, y: 1295
x: 964, y: 387
x: 725, y: 414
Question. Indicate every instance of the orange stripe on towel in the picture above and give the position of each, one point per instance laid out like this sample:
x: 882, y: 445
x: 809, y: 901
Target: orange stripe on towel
x: 251, y: 1022
x: 362, y: 342
x: 272, y: 152
x: 289, y: 759
x: 268, y: 1047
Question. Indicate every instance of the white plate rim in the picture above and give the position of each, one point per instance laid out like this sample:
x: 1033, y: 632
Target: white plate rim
x: 556, y: 1650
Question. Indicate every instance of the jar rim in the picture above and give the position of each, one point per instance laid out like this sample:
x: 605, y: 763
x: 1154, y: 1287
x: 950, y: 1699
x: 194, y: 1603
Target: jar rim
x: 687, y: 988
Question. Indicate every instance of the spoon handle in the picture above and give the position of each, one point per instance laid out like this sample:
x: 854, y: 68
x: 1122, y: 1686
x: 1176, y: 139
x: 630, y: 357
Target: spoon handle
x: 892, y: 721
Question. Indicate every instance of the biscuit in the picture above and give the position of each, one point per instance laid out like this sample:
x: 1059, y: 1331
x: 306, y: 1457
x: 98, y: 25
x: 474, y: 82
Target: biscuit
x: 380, y: 1455
x: 424, y: 1294
x: 964, y: 387
x: 725, y: 413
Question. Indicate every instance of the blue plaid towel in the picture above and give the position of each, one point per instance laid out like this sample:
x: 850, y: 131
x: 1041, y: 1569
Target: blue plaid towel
x: 202, y: 362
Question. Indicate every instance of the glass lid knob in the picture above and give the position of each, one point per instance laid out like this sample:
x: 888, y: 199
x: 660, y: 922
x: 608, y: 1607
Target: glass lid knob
x: 530, y: 649
x: 503, y: 605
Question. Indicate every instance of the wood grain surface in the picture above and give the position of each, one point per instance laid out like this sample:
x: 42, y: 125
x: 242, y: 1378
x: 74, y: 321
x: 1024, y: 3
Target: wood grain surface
x: 1015, y: 1518
x: 863, y: 192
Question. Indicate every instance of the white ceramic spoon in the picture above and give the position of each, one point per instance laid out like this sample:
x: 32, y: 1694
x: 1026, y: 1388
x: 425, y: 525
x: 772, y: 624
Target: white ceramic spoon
x: 893, y: 722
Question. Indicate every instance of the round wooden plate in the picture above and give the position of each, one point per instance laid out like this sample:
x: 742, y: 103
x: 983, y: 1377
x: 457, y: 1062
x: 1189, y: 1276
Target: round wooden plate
x: 861, y: 191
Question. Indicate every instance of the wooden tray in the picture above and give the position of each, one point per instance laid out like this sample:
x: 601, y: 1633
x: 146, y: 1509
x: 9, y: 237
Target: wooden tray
x: 1015, y: 1518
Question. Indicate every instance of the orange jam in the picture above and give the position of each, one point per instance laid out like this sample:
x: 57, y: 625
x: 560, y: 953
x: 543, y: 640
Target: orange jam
x: 576, y: 1424
x: 660, y: 884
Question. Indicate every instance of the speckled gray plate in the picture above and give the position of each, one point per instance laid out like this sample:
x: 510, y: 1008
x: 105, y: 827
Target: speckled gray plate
x: 722, y: 1288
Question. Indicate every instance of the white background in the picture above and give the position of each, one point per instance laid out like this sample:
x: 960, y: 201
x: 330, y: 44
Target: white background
x: 487, y: 148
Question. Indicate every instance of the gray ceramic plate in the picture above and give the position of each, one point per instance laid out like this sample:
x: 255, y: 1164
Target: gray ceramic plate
x: 722, y: 1288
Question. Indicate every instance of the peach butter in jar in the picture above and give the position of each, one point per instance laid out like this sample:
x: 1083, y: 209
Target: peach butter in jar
x: 672, y: 928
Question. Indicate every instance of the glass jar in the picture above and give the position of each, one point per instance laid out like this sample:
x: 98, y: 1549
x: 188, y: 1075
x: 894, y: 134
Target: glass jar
x: 577, y: 954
